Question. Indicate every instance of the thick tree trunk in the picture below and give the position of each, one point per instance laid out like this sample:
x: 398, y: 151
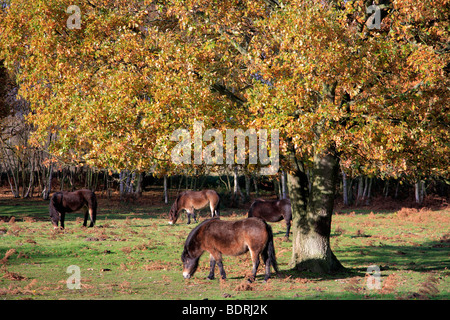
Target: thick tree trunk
x: 312, y: 211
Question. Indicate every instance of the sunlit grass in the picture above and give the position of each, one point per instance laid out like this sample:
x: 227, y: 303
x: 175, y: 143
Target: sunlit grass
x: 133, y: 253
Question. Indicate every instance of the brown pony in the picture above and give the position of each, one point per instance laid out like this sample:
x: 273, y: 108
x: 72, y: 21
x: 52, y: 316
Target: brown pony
x: 191, y: 200
x: 66, y: 202
x: 272, y: 211
x: 232, y: 238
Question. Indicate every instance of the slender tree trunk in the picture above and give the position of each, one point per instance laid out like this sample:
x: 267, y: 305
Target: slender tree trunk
x: 360, y: 193
x: 366, y: 187
x: 255, y: 183
x: 140, y: 181
x: 180, y: 182
x: 419, y: 189
x: 247, y: 187
x: 369, y: 191
x: 396, y: 189
x: 166, y: 195
x: 312, y: 211
x: 344, y: 188
x: 284, y: 191
x: 386, y: 189
x: 29, y: 192
x: 48, y: 187
x: 121, y: 184
x: 237, y: 190
x: 277, y: 186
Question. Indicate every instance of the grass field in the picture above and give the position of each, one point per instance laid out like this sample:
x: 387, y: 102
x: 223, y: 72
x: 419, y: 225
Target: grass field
x: 133, y: 253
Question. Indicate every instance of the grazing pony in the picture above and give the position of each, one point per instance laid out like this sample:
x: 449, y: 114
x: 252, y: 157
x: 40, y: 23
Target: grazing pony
x: 66, y: 202
x: 272, y: 211
x: 191, y: 200
x: 231, y: 238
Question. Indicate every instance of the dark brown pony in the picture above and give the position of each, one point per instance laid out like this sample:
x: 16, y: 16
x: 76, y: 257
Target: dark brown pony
x: 66, y: 202
x: 272, y: 211
x: 191, y: 200
x: 231, y: 238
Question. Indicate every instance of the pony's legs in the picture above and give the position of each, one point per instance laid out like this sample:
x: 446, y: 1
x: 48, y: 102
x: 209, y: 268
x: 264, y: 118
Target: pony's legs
x: 214, y: 210
x: 92, y: 216
x: 86, y: 211
x: 213, y: 259
x: 62, y: 219
x: 212, y: 266
x: 189, y: 217
x: 288, y: 228
x: 255, y: 260
x: 221, y: 269
x: 190, y: 213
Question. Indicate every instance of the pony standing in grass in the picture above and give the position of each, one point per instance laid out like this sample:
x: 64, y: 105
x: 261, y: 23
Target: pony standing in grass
x: 272, y: 211
x: 231, y: 238
x: 66, y: 202
x: 194, y: 200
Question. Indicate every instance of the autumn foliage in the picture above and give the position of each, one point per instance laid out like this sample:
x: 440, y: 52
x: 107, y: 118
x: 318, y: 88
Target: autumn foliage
x: 112, y: 91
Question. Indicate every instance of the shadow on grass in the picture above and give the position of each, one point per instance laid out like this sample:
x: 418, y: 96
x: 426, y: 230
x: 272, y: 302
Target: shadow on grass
x: 425, y: 257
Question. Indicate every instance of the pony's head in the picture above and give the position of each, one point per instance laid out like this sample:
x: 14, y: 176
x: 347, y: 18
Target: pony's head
x: 190, y: 264
x: 174, y: 212
x: 192, y: 252
x: 55, y: 202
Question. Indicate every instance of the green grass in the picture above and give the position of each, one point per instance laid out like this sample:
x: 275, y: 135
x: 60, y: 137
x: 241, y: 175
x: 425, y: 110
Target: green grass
x: 133, y: 253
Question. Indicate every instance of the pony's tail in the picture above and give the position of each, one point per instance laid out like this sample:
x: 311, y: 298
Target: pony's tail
x: 268, y: 253
x: 93, y: 211
x: 217, y: 208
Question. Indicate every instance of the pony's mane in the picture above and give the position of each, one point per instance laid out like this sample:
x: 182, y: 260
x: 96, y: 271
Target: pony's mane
x: 175, y: 203
x: 192, y: 234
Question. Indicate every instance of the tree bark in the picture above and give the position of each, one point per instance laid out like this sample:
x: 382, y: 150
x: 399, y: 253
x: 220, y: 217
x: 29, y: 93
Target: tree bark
x: 312, y: 211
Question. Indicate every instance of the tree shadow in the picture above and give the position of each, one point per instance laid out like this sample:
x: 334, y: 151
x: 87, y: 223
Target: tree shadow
x: 308, y: 275
x: 425, y: 257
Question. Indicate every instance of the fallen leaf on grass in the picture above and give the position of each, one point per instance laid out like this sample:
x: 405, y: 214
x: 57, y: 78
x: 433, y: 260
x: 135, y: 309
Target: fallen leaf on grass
x: 13, y: 276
